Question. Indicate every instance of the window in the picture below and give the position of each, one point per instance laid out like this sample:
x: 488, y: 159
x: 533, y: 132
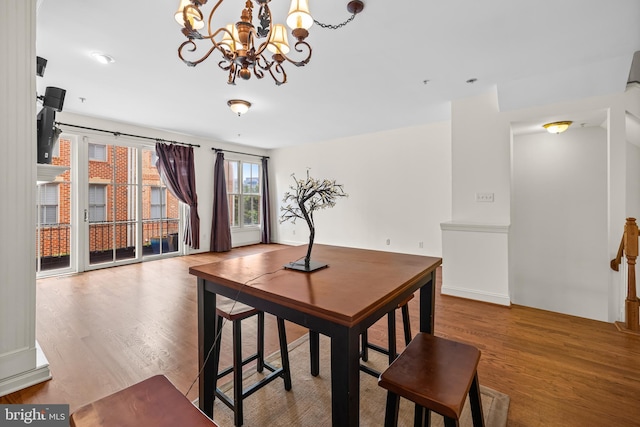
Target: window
x: 243, y: 190
x: 158, y: 203
x: 98, y: 152
x: 97, y: 203
x: 48, y: 204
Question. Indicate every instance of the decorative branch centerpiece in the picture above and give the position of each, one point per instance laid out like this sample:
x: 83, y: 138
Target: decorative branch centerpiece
x: 303, y: 199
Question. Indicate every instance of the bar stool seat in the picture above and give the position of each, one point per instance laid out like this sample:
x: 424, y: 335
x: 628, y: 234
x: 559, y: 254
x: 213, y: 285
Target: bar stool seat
x: 391, y: 349
x: 235, y: 312
x: 436, y: 374
x: 154, y: 402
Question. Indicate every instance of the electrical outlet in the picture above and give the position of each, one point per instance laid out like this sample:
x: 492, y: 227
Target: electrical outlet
x: 388, y: 241
x: 421, y: 245
x: 484, y: 197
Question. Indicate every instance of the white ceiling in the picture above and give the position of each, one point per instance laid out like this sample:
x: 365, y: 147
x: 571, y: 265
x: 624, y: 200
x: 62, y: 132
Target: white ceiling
x: 367, y: 76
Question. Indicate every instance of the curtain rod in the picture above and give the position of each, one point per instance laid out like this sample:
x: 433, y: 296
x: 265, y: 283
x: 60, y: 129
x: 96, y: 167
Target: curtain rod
x: 238, y: 152
x: 116, y: 134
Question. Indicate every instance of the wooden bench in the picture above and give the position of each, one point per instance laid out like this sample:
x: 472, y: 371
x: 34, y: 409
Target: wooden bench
x: 154, y: 402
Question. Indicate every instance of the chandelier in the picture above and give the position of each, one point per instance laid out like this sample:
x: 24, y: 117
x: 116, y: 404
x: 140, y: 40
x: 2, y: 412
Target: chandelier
x: 244, y: 45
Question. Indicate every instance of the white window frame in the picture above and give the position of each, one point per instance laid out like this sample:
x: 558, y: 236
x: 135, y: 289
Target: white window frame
x: 162, y: 205
x: 45, y: 190
x: 239, y: 191
x: 93, y: 206
x: 97, y: 152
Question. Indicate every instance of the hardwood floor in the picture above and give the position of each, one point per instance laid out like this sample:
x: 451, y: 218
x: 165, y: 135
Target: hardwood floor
x: 104, y: 330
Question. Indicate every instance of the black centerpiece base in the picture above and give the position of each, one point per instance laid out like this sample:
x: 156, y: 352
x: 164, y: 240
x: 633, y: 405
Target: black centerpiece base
x: 301, y: 266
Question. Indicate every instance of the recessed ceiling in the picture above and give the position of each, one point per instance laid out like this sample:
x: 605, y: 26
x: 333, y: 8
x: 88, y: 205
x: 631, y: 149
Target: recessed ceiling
x: 365, y: 77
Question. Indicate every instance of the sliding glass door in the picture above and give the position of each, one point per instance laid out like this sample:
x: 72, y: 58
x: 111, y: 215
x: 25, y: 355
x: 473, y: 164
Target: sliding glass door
x: 130, y: 214
x: 111, y: 208
x: 109, y: 202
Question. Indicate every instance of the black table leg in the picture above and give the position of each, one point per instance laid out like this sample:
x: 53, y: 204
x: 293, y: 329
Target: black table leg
x: 427, y: 305
x: 345, y: 378
x: 314, y: 352
x: 207, y: 331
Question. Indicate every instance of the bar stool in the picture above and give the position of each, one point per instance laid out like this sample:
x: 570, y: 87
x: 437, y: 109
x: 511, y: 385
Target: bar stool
x: 436, y: 374
x: 391, y: 334
x: 154, y: 402
x: 236, y: 312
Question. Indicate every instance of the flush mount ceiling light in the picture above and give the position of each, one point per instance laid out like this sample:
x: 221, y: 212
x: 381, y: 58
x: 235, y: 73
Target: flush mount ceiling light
x: 103, y: 58
x: 557, y: 127
x: 239, y: 106
x: 243, y: 52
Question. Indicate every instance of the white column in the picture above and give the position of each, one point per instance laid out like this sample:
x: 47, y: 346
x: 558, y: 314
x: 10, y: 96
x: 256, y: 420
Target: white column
x: 20, y: 365
x: 475, y: 243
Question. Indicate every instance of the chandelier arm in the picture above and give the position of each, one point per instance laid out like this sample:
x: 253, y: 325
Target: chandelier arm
x: 298, y: 49
x: 280, y: 71
x: 193, y: 46
x: 232, y: 74
x: 211, y: 16
x: 257, y: 70
x: 192, y: 49
x: 191, y: 7
x: 266, y: 65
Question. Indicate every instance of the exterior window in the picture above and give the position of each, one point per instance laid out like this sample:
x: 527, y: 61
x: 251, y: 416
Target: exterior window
x: 98, y: 152
x: 97, y: 203
x: 48, y: 204
x: 244, y: 192
x: 158, y: 202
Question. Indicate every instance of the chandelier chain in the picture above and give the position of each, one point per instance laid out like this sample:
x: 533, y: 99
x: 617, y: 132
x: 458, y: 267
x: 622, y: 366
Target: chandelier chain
x: 335, y: 26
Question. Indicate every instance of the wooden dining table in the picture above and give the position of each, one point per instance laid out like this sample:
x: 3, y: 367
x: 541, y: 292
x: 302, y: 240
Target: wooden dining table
x: 356, y: 289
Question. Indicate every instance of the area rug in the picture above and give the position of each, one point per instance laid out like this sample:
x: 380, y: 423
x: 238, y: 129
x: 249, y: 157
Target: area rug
x: 308, y: 404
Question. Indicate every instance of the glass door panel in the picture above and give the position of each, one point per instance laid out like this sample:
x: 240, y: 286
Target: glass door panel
x: 111, y: 212
x: 53, y: 221
x: 160, y: 210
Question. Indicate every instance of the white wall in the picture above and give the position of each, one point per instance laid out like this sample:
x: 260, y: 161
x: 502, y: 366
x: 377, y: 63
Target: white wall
x: 481, y: 160
x: 475, y: 242
x: 559, y: 222
x: 399, y: 186
x: 633, y: 181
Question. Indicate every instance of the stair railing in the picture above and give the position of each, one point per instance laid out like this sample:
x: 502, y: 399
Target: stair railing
x: 629, y: 247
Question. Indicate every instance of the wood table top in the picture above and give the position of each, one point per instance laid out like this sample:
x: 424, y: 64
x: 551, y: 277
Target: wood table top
x: 355, y: 283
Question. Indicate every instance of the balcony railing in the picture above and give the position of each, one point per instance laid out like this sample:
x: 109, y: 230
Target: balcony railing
x: 108, y: 241
x: 54, y: 243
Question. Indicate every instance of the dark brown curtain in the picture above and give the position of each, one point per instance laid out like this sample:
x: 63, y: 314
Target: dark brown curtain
x: 266, y: 204
x: 176, y: 168
x: 220, y: 227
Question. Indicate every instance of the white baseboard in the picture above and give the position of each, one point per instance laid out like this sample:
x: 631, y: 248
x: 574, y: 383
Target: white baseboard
x: 474, y: 294
x: 39, y: 374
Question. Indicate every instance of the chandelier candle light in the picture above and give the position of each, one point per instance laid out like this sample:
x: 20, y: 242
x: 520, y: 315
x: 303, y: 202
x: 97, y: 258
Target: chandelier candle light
x: 242, y: 52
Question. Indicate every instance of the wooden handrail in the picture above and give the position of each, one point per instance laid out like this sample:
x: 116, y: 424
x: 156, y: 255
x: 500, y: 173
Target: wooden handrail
x: 615, y: 263
x: 629, y: 247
